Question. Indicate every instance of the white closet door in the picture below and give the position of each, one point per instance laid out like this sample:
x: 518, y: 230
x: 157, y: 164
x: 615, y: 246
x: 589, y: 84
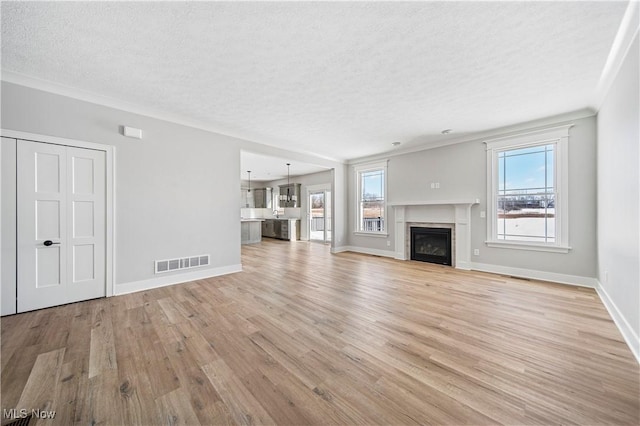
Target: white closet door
x: 61, y: 224
x: 86, y: 224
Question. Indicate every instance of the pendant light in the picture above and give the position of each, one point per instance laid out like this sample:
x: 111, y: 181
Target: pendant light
x: 249, y: 173
x: 288, y: 184
x: 292, y: 195
x: 289, y: 197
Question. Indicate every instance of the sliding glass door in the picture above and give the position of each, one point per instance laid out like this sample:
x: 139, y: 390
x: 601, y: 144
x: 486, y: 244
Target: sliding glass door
x: 320, y: 216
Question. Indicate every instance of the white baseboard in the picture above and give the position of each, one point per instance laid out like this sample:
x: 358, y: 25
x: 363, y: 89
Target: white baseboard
x: 364, y: 250
x: 466, y: 266
x: 132, y: 287
x: 338, y: 249
x: 536, y: 275
x: 625, y: 329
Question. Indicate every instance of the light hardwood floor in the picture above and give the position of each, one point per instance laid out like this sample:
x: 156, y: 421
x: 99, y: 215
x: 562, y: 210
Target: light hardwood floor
x: 305, y: 337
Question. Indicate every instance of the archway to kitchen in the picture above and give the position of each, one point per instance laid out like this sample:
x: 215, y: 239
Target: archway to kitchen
x: 275, y: 201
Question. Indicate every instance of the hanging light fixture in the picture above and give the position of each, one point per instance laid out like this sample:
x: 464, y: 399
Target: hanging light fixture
x: 289, y: 197
x: 292, y: 195
x: 249, y: 173
x: 288, y: 184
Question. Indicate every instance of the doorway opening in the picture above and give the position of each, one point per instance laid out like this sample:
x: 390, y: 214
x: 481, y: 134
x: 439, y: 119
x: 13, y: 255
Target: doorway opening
x: 319, y: 215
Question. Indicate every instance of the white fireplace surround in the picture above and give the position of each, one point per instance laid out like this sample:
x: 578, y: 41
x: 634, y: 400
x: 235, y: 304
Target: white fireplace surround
x: 455, y: 213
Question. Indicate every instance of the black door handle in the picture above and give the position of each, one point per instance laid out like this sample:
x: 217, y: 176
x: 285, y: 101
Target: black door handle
x: 49, y: 242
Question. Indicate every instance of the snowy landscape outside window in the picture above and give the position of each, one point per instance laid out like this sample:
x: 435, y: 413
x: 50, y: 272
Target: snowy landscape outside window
x: 526, y: 194
x: 527, y: 180
x: 371, y: 181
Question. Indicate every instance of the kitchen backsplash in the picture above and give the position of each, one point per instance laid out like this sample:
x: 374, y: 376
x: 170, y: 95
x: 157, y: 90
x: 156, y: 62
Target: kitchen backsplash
x: 287, y: 212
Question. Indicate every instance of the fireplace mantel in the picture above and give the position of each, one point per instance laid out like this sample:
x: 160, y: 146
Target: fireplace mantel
x: 470, y: 202
x: 454, y: 212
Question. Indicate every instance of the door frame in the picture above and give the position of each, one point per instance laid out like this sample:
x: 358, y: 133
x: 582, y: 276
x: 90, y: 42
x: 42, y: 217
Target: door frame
x: 110, y: 217
x: 324, y: 187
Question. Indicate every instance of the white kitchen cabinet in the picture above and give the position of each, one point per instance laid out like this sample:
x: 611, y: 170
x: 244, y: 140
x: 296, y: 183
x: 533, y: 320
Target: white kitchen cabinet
x: 250, y: 231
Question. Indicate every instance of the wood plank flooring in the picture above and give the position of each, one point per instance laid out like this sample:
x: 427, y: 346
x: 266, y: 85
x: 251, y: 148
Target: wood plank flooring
x: 305, y: 337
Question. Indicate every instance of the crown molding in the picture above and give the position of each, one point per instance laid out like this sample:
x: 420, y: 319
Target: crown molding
x: 627, y: 32
x: 107, y: 101
x: 506, y: 131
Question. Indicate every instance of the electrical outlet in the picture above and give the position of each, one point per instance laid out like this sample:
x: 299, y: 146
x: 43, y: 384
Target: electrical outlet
x: 483, y: 214
x: 476, y: 252
x: 437, y: 185
x: 433, y: 185
x: 388, y: 243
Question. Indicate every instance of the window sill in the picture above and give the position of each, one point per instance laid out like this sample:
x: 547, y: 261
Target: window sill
x: 371, y: 234
x: 519, y: 245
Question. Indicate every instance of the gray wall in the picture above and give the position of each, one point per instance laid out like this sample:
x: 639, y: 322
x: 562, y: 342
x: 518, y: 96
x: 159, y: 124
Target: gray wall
x: 461, y: 171
x: 340, y: 206
x: 172, y: 187
x: 176, y: 189
x: 618, y: 183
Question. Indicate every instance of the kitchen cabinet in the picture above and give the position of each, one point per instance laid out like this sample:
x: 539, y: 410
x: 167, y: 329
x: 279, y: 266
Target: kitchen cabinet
x: 258, y: 198
x: 268, y: 228
x: 283, y: 229
x: 262, y: 198
x: 250, y: 231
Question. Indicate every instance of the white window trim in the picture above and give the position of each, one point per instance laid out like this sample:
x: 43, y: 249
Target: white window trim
x: 365, y: 168
x: 558, y: 135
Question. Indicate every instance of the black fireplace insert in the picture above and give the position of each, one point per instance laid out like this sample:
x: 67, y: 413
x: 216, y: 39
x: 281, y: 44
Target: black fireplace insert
x: 431, y: 245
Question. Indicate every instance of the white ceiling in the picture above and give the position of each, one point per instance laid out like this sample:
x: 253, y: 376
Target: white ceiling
x: 268, y: 168
x: 338, y: 79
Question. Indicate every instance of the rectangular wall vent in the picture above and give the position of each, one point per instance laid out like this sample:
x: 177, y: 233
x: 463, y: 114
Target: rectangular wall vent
x: 170, y: 265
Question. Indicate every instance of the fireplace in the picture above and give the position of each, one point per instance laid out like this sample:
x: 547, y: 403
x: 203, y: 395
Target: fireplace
x: 454, y: 214
x: 431, y: 245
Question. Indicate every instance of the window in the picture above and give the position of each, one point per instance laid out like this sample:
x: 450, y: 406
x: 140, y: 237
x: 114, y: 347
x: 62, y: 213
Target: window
x: 372, y: 185
x: 526, y: 194
x: 527, y: 190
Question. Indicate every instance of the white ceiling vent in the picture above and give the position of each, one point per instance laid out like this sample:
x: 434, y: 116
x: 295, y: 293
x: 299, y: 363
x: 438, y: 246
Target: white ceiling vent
x: 169, y: 265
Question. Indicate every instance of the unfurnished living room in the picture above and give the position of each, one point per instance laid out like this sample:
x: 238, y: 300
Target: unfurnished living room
x: 300, y: 213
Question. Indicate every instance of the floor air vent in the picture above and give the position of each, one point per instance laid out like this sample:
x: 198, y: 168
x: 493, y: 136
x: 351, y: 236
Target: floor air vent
x: 170, y: 265
x: 22, y: 421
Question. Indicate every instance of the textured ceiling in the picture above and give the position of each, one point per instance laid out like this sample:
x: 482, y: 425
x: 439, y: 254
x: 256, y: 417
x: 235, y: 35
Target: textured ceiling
x: 342, y: 80
x: 268, y: 168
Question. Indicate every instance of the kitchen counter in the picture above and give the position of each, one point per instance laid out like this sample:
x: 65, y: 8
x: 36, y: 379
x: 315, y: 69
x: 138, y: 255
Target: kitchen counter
x: 250, y: 230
